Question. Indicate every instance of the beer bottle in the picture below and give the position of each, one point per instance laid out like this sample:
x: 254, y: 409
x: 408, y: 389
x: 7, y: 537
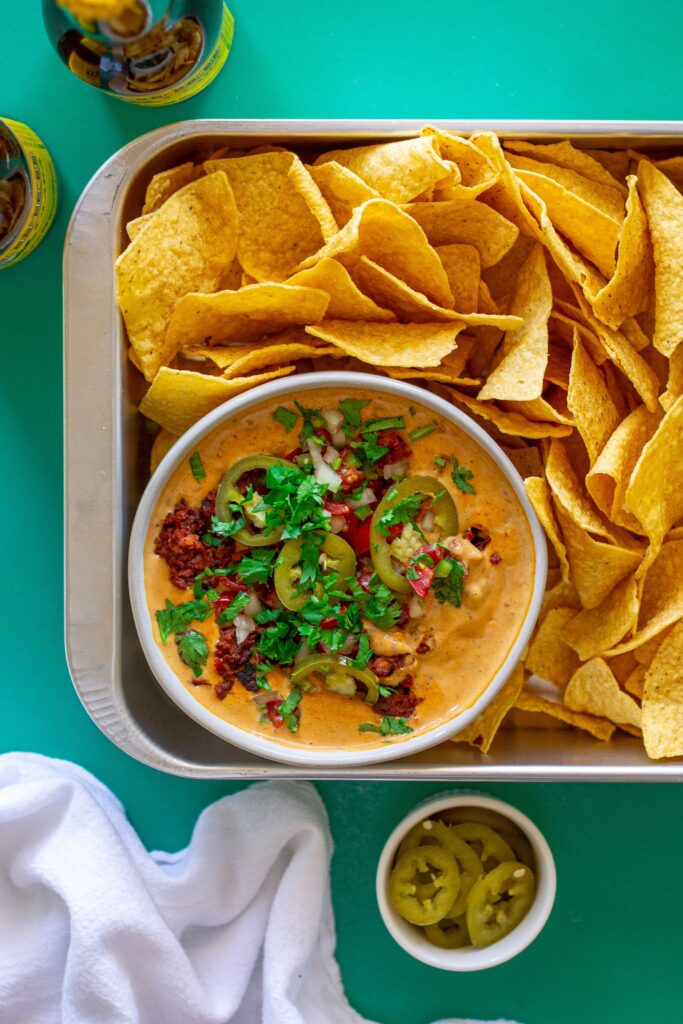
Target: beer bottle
x: 28, y: 191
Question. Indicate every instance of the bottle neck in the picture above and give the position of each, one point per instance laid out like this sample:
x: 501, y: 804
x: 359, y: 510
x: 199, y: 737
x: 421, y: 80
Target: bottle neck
x: 117, y: 21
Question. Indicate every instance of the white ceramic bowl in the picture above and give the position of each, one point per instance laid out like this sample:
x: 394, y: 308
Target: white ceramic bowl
x: 285, y: 389
x: 469, y: 958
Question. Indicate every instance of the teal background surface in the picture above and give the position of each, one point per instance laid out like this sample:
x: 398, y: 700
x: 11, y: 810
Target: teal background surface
x: 611, y: 951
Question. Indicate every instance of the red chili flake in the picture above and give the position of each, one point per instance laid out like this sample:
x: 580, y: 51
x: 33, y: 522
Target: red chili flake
x: 495, y: 558
x: 200, y: 682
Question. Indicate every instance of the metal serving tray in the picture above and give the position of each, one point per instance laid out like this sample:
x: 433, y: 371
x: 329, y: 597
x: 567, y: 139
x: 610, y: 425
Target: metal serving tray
x: 107, y: 467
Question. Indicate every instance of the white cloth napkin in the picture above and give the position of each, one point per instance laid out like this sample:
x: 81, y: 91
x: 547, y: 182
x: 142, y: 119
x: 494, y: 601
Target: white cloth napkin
x: 236, y: 928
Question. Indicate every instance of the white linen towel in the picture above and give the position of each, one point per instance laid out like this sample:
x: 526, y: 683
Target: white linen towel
x: 236, y: 928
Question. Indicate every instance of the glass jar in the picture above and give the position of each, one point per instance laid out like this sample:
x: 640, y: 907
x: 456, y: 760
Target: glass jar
x: 28, y: 191
x: 150, y: 52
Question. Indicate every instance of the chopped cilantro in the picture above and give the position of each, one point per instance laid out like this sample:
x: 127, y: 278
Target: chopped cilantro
x: 412, y: 410
x: 237, y: 605
x: 403, y: 511
x: 193, y: 649
x: 257, y: 566
x: 175, y: 617
x: 310, y: 557
x: 448, y: 589
x: 461, y: 476
x: 384, y: 423
x: 420, y: 432
x: 197, y: 466
x: 440, y: 461
x: 286, y: 417
x: 412, y: 573
x: 351, y: 408
x: 311, y: 419
x: 389, y: 726
x: 280, y: 641
x: 220, y: 530
x: 288, y: 709
x: 364, y: 652
x: 205, y: 574
x: 369, y: 450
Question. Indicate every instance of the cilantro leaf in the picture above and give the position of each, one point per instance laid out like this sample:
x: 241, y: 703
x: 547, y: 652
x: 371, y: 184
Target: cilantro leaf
x: 175, y: 617
x: 351, y: 408
x: 420, y: 432
x: 197, y: 466
x: 220, y: 530
x: 288, y: 708
x: 440, y: 461
x: 257, y: 566
x: 364, y: 652
x: 448, y: 589
x: 384, y: 423
x: 193, y: 649
x: 369, y: 450
x: 461, y: 476
x: 237, y: 605
x: 286, y: 417
x: 403, y: 511
x: 389, y: 726
x: 310, y: 557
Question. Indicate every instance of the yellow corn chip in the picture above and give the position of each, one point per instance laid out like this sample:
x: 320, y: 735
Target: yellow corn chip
x: 162, y: 443
x: 526, y: 460
x: 661, y: 604
x: 596, y: 567
x: 390, y: 344
x: 251, y: 312
x: 539, y: 495
x: 387, y: 236
x: 442, y: 374
x: 347, y: 301
x: 283, y: 216
x: 564, y: 154
x: 664, y: 208
x: 548, y: 655
x: 462, y: 265
x: 178, y: 398
x: 509, y: 422
x: 663, y: 699
x: 635, y: 683
x: 519, y: 375
x: 477, y: 173
x: 609, y: 199
x: 589, y: 399
x: 342, y: 189
x: 629, y: 290
x: 277, y: 355
x: 594, y: 690
x: 597, y: 727
x: 482, y: 731
x: 609, y: 476
x: 675, y: 379
x: 399, y: 171
x: 559, y: 594
x: 546, y: 409
x: 616, y: 162
x: 167, y: 182
x: 595, y: 630
x: 135, y: 226
x: 466, y: 221
x: 655, y: 492
x: 567, y: 489
x: 187, y: 246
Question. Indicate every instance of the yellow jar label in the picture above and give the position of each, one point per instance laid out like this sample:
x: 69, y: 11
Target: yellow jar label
x: 199, y: 79
x: 42, y: 195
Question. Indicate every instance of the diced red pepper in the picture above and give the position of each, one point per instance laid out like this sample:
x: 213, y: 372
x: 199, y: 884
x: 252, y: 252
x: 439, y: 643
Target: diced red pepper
x: 425, y: 573
x: 395, y: 530
x: 273, y: 713
x: 331, y: 622
x: 338, y: 508
x: 358, y: 535
x: 351, y: 477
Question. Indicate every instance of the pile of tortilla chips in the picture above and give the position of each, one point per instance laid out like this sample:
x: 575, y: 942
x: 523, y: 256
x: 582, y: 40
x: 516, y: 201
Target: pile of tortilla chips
x: 537, y: 287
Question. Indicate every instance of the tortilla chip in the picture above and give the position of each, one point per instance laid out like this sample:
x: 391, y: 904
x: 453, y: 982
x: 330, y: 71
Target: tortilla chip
x: 442, y: 374
x: 342, y: 189
x: 482, y: 731
x: 548, y: 655
x: 178, y: 398
x: 564, y: 154
x: 594, y: 690
x: 251, y: 312
x: 655, y: 492
x: 629, y: 291
x: 187, y: 246
x: 347, y: 301
x: 559, y: 594
x: 135, y: 226
x: 663, y: 699
x: 608, y: 199
x: 502, y: 277
x: 546, y: 409
x: 559, y: 363
x: 462, y: 266
x: 280, y: 224
x: 477, y: 173
x: 589, y: 399
x: 390, y: 344
x: 519, y: 375
x: 675, y: 379
x: 597, y: 727
x: 595, y: 630
x: 664, y: 208
x: 592, y: 231
x: 468, y: 222
x: 387, y: 236
x: 596, y: 567
x: 609, y: 476
x: 567, y: 489
x: 163, y: 442
x: 616, y: 162
x: 399, y: 171
x: 508, y: 422
x: 538, y: 493
x: 166, y: 183
x: 661, y: 604
x: 635, y: 682
x: 277, y: 355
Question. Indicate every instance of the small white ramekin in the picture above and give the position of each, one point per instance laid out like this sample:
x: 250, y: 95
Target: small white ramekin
x: 469, y: 958
x: 287, y: 389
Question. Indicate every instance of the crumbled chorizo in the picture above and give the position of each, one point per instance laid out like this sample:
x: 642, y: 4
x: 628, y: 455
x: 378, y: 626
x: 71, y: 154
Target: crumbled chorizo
x: 181, y: 546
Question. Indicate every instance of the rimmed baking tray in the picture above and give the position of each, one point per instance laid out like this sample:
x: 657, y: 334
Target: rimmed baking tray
x: 106, y: 468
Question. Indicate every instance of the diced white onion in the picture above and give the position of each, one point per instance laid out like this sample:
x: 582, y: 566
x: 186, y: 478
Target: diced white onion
x: 337, y: 524
x: 416, y: 607
x: 324, y: 474
x: 428, y: 520
x: 333, y: 419
x: 254, y: 606
x: 368, y: 497
x: 338, y: 438
x: 316, y: 453
x: 394, y: 469
x: 244, y: 625
x: 331, y: 454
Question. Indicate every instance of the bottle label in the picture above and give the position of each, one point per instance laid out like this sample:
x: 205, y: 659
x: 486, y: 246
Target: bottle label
x: 42, y: 197
x: 198, y: 79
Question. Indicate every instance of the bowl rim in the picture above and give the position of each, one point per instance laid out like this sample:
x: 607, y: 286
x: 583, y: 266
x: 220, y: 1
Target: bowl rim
x: 469, y: 958
x: 261, y: 745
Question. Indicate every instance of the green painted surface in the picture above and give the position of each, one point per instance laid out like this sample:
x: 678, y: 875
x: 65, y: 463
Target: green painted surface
x: 611, y: 949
